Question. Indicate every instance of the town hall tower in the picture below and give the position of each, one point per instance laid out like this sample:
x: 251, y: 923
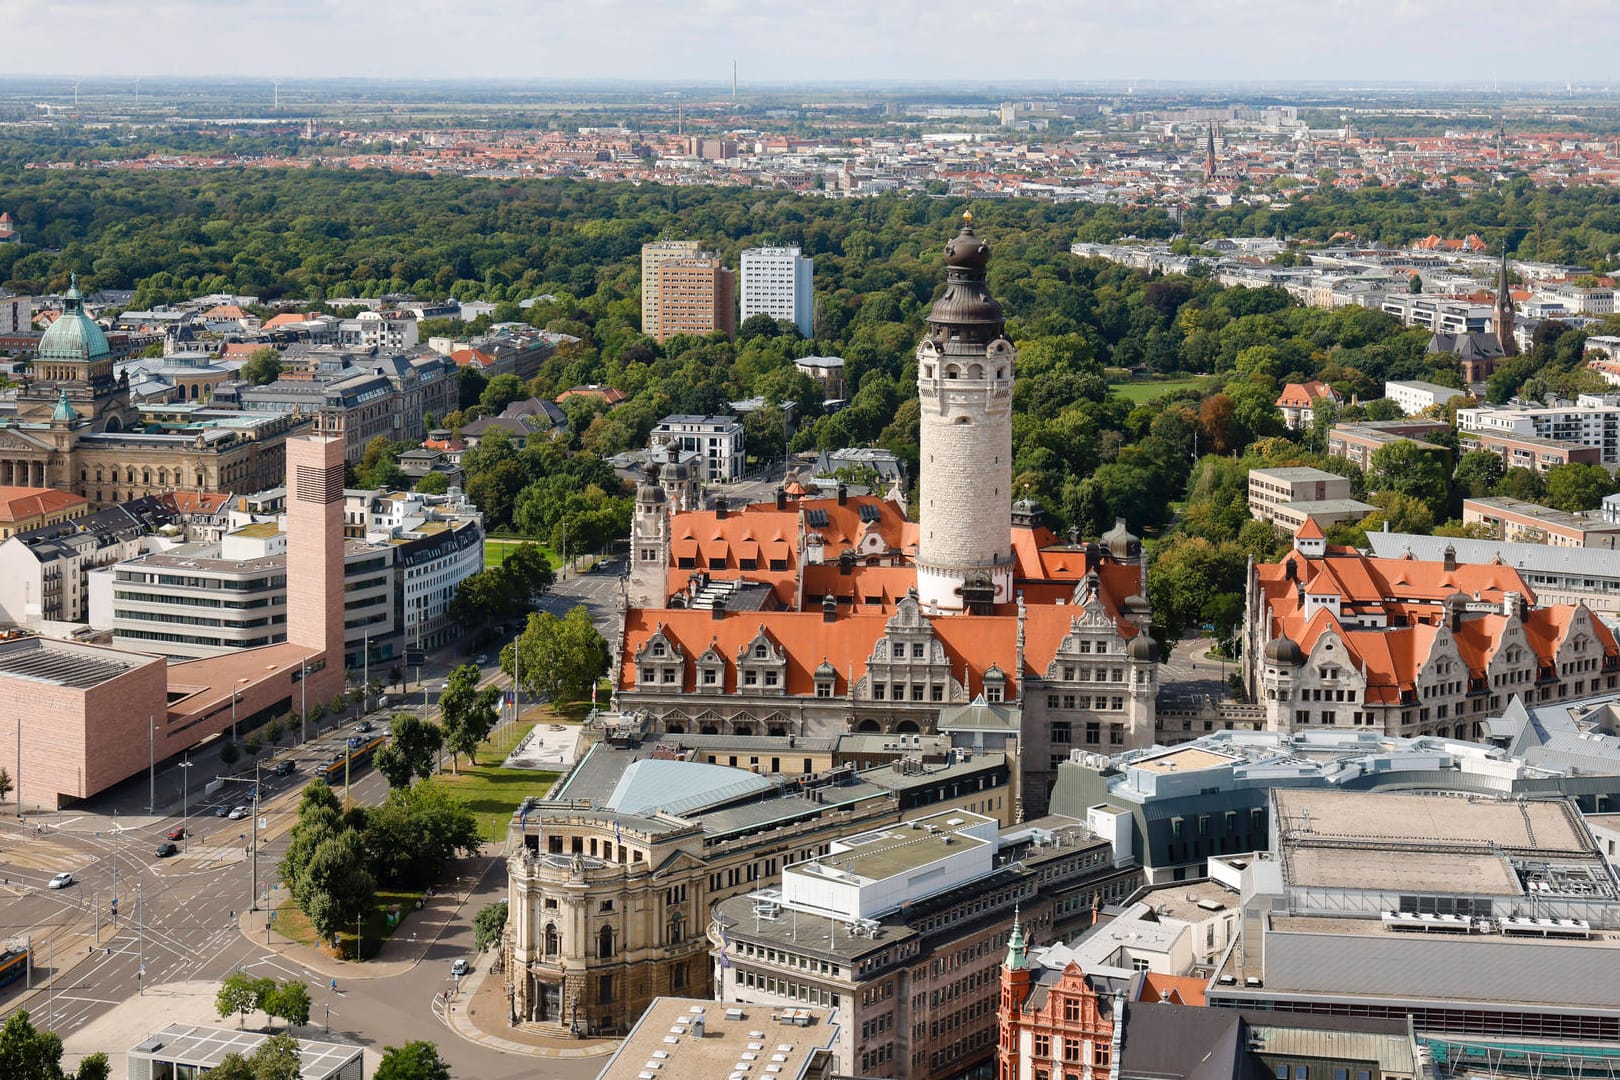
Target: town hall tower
x: 965, y: 381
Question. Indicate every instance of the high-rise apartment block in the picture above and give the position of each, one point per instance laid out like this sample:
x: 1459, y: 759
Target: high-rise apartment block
x: 776, y: 282
x: 695, y: 296
x: 652, y: 257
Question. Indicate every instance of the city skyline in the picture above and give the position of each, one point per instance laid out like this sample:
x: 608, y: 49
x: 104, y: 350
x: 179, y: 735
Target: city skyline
x: 1029, y: 40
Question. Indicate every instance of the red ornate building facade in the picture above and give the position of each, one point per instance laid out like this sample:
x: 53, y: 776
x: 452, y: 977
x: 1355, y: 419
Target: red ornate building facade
x: 1056, y: 1024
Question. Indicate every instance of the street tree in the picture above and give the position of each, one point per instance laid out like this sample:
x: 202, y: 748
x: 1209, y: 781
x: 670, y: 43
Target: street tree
x: 488, y: 925
x: 290, y: 1002
x: 413, y: 751
x: 468, y: 713
x: 1575, y: 486
x: 1479, y: 472
x: 1406, y: 469
x: 416, y: 830
x: 276, y: 1058
x: 229, y: 752
x: 561, y: 658
x: 238, y: 995
x: 262, y: 366
x: 416, y: 1060
x: 5, y: 784
x: 336, y: 884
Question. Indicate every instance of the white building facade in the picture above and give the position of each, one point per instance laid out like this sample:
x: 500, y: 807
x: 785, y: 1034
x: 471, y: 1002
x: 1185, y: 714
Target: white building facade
x: 776, y: 281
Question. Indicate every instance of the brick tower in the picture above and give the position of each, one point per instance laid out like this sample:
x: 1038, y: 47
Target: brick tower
x: 1502, y: 318
x: 965, y: 381
x: 315, y: 556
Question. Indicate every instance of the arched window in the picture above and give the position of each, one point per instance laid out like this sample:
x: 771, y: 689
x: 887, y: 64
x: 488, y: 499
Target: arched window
x: 146, y: 477
x: 675, y: 729
x: 98, y: 477
x: 907, y: 726
x: 869, y: 725
x: 604, y: 944
x: 115, y: 474
x: 553, y: 941
x: 710, y: 729
x: 674, y: 928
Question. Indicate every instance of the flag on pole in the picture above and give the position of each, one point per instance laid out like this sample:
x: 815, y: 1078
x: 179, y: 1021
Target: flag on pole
x: 725, y: 944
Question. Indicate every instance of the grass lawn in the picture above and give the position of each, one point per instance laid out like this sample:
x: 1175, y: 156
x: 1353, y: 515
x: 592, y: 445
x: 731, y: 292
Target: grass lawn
x: 1138, y: 392
x: 491, y: 791
x: 496, y: 551
x: 291, y: 923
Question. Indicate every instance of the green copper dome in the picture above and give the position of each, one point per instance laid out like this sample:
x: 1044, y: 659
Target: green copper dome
x: 64, y: 408
x: 73, y: 336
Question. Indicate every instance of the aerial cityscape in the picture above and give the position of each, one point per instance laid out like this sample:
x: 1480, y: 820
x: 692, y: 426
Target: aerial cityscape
x: 989, y: 557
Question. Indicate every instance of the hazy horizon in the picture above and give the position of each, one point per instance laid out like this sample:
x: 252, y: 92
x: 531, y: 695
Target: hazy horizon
x: 947, y: 42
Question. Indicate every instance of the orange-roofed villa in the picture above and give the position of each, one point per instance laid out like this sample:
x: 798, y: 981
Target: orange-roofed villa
x: 817, y: 616
x: 1399, y: 646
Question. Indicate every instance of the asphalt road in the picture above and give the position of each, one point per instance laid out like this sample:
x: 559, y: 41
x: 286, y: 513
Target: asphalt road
x: 177, y: 919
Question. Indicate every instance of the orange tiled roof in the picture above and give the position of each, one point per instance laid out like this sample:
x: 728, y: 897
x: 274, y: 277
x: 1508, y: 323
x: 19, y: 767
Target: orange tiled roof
x: 26, y: 503
x: 195, y: 502
x: 1303, y: 395
x: 1183, y: 989
x: 287, y: 318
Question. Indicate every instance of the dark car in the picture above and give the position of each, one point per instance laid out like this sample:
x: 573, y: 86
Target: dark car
x: 365, y: 725
x: 222, y: 811
x: 285, y: 768
x: 165, y: 850
x: 176, y: 833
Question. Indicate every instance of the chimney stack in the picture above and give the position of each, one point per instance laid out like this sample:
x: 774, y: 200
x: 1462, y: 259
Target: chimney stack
x: 781, y: 498
x: 829, y: 608
x: 720, y: 507
x: 843, y: 495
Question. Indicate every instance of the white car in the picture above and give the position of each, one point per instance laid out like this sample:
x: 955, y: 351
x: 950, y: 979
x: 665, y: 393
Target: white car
x: 61, y: 881
x: 239, y: 812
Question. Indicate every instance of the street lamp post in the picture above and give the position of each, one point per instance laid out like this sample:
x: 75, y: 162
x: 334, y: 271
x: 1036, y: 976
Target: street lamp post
x: 115, y: 853
x: 140, y: 937
x: 185, y: 799
x: 253, y: 898
x: 233, y: 714
x: 303, y: 701
x: 151, y: 765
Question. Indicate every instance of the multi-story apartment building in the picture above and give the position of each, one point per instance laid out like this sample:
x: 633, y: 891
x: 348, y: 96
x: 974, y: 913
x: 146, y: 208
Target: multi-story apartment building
x: 1339, y: 639
x: 432, y: 560
x: 1297, y: 402
x: 1530, y: 451
x: 653, y: 256
x: 776, y: 281
x: 1594, y: 420
x: 716, y: 440
x: 1358, y: 442
x: 1415, y: 396
x: 610, y: 895
x: 1439, y: 315
x: 696, y: 296
x: 1517, y: 521
x: 45, y: 572
x: 1290, y: 497
x: 23, y: 509
x: 903, y: 927
x: 826, y: 370
x: 377, y: 330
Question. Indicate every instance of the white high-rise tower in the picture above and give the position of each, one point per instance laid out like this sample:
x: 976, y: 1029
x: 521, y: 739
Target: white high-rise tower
x: 965, y: 382
x: 776, y: 281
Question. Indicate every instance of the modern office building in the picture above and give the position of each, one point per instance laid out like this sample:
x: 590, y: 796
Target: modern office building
x: 1468, y: 918
x: 776, y: 281
x: 901, y: 929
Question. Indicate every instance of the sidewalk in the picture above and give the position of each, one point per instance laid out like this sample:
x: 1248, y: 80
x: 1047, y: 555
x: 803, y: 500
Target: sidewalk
x: 481, y: 1013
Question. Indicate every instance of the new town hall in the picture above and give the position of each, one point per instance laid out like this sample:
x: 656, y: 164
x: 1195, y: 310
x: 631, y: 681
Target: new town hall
x: 819, y: 616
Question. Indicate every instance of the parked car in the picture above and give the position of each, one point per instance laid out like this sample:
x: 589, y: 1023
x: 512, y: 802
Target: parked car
x: 61, y: 881
x: 165, y: 850
x: 176, y: 833
x: 459, y: 968
x: 285, y: 768
x: 238, y: 813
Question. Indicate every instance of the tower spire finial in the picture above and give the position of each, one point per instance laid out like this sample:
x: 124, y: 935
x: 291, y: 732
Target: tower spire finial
x: 1016, y: 957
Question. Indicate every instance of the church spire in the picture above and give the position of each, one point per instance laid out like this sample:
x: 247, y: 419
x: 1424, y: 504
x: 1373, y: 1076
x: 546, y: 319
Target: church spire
x: 1209, y: 152
x: 1016, y: 958
x: 1502, y: 319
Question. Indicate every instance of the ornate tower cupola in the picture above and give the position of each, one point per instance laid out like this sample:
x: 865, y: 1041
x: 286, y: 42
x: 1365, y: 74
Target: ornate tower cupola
x: 1502, y: 318
x: 964, y: 382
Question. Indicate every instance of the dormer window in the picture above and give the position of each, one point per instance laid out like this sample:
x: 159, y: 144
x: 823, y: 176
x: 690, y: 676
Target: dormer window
x: 658, y: 648
x: 760, y: 652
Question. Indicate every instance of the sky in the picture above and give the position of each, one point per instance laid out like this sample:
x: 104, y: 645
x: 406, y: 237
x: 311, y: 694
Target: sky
x: 826, y: 41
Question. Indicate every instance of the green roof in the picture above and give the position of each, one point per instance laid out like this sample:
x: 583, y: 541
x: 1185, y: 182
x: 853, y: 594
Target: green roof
x: 74, y: 335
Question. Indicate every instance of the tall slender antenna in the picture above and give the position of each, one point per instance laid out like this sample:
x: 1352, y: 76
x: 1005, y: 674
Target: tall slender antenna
x: 734, y: 80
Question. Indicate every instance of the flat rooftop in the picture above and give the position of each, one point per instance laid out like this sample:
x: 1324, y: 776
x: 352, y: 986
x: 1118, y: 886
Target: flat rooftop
x: 1418, y: 871
x: 64, y: 663
x: 1186, y: 759
x: 898, y: 849
x: 746, y: 1039
x: 208, y: 1047
x: 1428, y: 822
x: 1295, y: 472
